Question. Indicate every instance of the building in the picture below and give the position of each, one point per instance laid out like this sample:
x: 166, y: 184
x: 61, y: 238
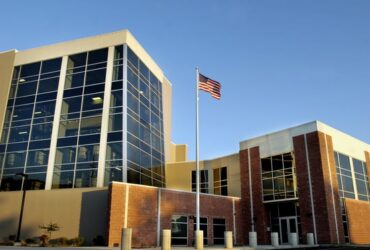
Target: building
x: 70, y: 110
x: 89, y: 122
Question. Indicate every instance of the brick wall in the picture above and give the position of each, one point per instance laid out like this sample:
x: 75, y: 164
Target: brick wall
x: 321, y: 160
x: 259, y: 210
x: 245, y: 195
x: 143, y: 212
x: 358, y: 214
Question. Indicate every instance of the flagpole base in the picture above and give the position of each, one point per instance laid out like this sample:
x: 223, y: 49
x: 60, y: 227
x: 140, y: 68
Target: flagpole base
x: 199, y: 240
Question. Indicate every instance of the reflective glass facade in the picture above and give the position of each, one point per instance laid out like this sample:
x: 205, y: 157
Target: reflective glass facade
x: 134, y: 147
x: 27, y: 127
x: 279, y: 177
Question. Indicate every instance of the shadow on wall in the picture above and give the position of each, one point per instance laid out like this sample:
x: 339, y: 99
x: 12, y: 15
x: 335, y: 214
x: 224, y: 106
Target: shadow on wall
x: 93, y: 216
x: 9, y: 225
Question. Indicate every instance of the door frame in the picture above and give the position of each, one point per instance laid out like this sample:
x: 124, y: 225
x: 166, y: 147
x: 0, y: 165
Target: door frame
x: 286, y: 219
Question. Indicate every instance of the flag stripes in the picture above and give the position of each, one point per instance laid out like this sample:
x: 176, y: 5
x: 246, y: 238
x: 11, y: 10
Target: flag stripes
x: 211, y: 86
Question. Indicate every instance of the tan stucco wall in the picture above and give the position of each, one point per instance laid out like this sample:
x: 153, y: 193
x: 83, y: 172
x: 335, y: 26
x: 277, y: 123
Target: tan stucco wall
x: 6, y: 71
x: 179, y: 153
x: 167, y: 117
x: 178, y: 175
x: 79, y: 212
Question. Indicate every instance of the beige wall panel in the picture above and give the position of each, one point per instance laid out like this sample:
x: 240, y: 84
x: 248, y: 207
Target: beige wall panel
x: 233, y: 172
x: 178, y: 175
x: 167, y: 117
x: 178, y: 153
x: 79, y: 212
x: 6, y: 71
x: 10, y: 203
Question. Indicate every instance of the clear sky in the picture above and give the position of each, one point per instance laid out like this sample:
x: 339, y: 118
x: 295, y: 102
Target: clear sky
x: 281, y: 62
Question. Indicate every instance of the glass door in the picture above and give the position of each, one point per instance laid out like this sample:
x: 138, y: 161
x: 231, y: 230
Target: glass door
x: 287, y: 225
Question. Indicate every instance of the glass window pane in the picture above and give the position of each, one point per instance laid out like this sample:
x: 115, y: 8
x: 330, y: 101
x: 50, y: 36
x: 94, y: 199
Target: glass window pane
x: 76, y: 60
x: 95, y: 76
x: 19, y: 134
x: 15, y: 160
x: 88, y: 153
x: 112, y: 174
x: 48, y: 85
x: 90, y: 125
x: 51, y: 65
x: 357, y: 166
x: 116, y: 99
x: 71, y: 105
x: 85, y: 178
x: 92, y: 102
x: 277, y: 162
x: 114, y: 151
x: 344, y: 162
x: 65, y: 155
x: 132, y: 58
x: 28, y: 88
x: 74, y: 80
x: 97, y: 56
x: 68, y: 128
x: 44, y: 109
x: 115, y: 122
x: 41, y: 131
x: 63, y: 179
x: 23, y: 112
x: 347, y: 184
x: 30, y: 69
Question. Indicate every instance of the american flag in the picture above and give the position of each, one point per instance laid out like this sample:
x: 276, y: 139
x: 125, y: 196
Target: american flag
x: 209, y: 85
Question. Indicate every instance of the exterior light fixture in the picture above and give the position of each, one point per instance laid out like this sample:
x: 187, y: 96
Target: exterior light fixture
x: 97, y: 100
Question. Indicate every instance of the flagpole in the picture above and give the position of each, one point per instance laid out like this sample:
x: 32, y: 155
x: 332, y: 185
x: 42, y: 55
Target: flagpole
x: 197, y: 154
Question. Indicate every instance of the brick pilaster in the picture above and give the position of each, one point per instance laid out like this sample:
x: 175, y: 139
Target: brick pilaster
x: 245, y: 195
x: 324, y: 187
x: 259, y: 210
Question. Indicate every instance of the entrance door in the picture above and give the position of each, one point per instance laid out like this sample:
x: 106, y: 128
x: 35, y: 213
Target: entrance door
x: 287, y: 225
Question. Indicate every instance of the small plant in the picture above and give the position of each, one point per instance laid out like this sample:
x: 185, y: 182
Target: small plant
x: 44, y: 240
x: 49, y: 228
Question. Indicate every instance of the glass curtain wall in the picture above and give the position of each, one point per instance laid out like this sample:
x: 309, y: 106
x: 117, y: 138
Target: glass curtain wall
x: 26, y: 135
x: 27, y: 126
x: 352, y: 179
x: 145, y: 146
x: 77, y: 154
x: 279, y: 177
x: 114, y: 153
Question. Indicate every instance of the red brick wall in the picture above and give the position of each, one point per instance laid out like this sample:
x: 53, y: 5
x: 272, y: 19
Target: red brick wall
x: 259, y: 210
x: 116, y: 213
x: 321, y: 187
x: 142, y: 215
x: 358, y: 214
x: 143, y: 211
x: 245, y: 195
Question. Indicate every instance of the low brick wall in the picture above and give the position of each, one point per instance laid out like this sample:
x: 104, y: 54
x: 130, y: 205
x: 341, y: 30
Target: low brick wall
x: 145, y: 204
x: 358, y: 214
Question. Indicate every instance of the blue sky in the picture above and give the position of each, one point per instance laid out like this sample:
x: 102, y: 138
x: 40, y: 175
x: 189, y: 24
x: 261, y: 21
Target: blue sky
x: 281, y: 62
